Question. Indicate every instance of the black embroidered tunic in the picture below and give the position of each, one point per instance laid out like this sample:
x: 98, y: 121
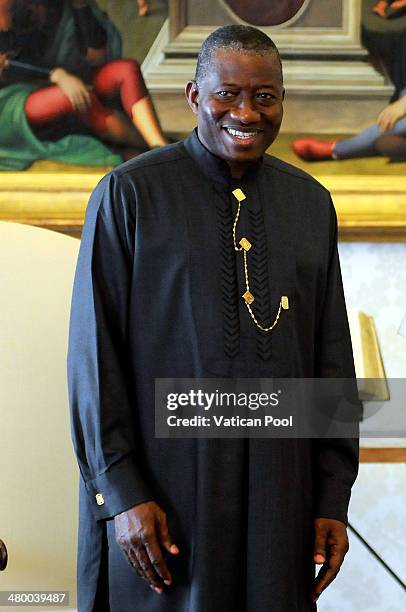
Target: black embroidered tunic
x: 158, y: 294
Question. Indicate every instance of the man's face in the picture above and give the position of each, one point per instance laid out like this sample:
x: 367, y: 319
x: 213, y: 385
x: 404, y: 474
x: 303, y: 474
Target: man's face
x: 238, y: 106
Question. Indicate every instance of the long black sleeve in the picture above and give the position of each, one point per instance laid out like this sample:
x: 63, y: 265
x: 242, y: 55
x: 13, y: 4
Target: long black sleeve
x: 336, y: 460
x: 100, y: 392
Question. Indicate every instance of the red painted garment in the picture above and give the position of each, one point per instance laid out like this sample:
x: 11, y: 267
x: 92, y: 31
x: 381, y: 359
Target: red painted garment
x: 121, y: 76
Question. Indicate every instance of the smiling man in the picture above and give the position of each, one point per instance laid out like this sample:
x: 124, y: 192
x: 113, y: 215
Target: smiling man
x: 208, y: 259
x: 237, y: 96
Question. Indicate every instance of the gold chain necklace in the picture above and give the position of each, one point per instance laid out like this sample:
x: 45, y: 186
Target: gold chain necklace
x: 245, y: 246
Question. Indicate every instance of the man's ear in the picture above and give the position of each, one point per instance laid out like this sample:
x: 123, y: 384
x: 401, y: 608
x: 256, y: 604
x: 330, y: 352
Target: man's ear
x: 192, y: 95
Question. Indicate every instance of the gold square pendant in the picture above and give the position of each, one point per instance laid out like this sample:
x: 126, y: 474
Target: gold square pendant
x: 285, y: 302
x: 245, y: 243
x: 239, y: 195
x: 248, y: 297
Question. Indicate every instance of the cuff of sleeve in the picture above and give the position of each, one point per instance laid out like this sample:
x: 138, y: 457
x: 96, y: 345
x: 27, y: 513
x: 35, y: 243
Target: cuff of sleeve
x: 332, y: 501
x: 120, y: 488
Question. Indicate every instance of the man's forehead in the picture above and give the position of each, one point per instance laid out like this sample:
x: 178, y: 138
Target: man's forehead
x: 242, y: 56
x: 227, y: 63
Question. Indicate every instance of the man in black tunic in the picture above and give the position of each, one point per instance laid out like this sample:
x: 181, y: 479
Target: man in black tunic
x: 161, y: 292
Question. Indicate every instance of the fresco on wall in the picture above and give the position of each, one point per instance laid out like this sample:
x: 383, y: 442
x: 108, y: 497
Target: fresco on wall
x: 382, y: 29
x: 68, y: 93
x: 384, y: 36
x: 96, y: 109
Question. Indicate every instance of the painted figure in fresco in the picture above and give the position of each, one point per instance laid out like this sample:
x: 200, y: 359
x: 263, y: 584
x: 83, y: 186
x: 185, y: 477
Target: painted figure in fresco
x: 388, y: 136
x: 390, y: 8
x: 74, y: 46
x: 143, y: 8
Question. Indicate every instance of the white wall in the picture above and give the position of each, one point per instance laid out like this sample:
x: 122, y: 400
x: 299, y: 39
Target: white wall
x: 374, y: 277
x: 38, y: 476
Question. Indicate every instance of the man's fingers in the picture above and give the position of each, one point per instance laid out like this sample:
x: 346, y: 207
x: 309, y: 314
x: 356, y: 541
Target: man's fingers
x: 320, y: 542
x: 324, y: 578
x: 329, y: 571
x: 330, y: 546
x: 148, y: 569
x: 155, y: 555
x: 132, y: 558
x: 163, y: 534
x: 138, y: 533
x: 136, y: 565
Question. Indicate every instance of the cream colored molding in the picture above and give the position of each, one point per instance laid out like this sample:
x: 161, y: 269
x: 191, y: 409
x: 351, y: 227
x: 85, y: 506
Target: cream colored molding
x: 369, y: 208
x: 155, y: 55
x: 304, y: 78
x: 337, y: 41
x: 170, y: 64
x: 342, y: 40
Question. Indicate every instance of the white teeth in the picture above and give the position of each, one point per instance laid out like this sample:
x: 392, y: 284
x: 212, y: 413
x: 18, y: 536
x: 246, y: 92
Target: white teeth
x: 241, y: 134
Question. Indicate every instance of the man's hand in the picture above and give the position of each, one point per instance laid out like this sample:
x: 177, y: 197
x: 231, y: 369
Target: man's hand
x: 391, y: 114
x: 73, y: 87
x: 140, y: 533
x: 330, y: 548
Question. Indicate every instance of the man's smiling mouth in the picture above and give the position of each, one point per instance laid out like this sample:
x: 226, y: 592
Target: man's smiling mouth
x: 242, y: 134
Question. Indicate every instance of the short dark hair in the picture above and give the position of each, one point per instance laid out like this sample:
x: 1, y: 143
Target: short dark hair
x: 235, y: 38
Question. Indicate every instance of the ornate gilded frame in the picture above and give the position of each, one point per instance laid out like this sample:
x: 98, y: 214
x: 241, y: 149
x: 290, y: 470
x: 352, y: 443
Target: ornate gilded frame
x: 369, y: 208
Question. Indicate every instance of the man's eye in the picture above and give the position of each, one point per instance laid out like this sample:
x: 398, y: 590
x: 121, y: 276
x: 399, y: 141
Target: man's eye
x: 263, y: 95
x: 224, y: 94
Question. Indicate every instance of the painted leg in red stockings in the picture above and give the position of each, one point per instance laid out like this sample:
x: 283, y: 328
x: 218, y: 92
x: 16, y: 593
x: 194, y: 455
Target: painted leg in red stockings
x: 50, y: 104
x: 124, y: 76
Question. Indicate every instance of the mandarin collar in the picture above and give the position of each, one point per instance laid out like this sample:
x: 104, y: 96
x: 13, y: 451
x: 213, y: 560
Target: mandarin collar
x: 215, y: 168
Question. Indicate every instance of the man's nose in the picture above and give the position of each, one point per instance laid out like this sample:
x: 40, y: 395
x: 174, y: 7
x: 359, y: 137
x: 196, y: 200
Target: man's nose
x: 245, y: 112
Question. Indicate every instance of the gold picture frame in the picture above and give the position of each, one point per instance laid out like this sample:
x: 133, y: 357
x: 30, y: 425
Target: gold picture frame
x: 369, y: 210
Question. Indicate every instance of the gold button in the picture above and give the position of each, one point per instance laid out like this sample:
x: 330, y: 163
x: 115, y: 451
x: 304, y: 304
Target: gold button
x: 99, y: 499
x: 239, y: 195
x: 285, y: 302
x: 245, y: 243
x: 248, y: 297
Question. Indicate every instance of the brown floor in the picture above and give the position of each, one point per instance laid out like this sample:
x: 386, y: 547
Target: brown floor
x: 281, y: 148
